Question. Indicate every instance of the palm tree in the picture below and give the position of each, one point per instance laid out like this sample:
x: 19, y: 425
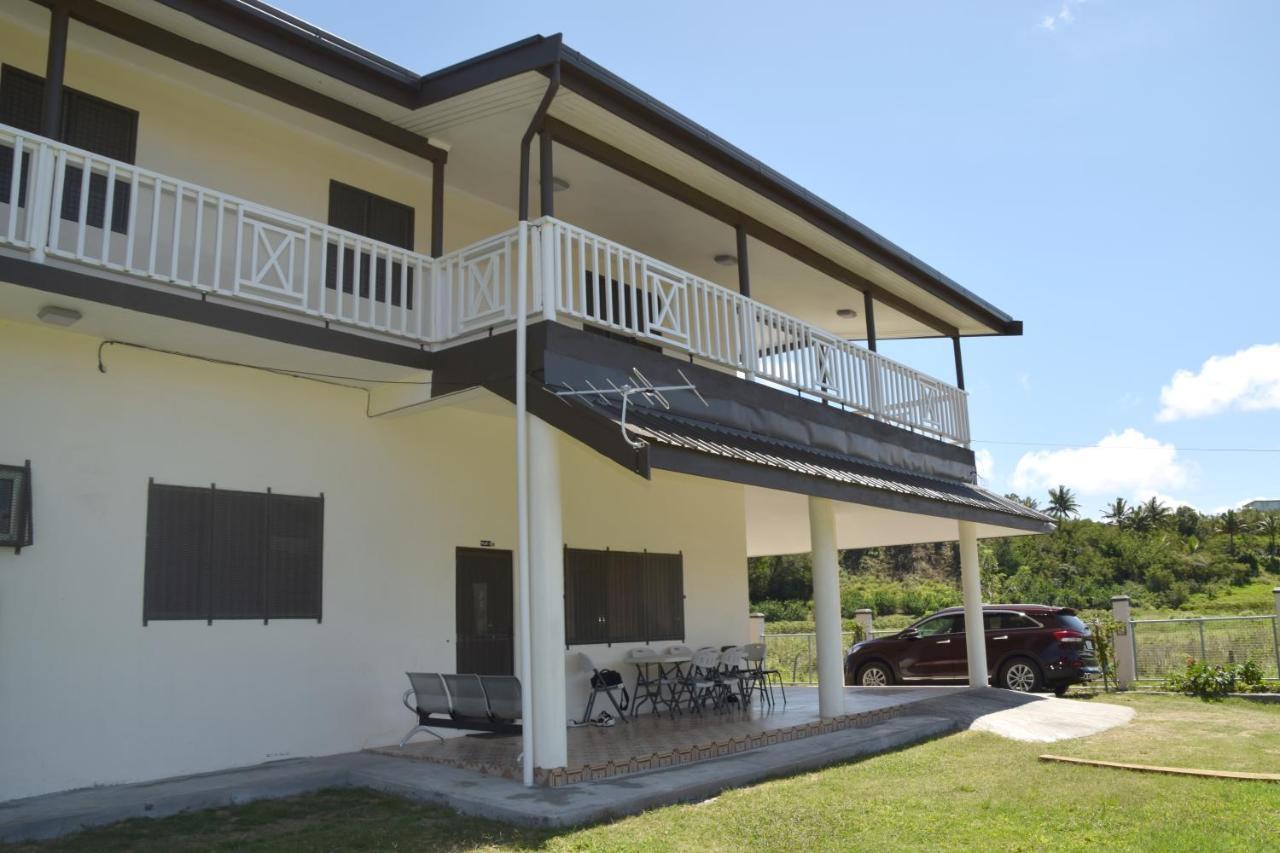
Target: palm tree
x: 1117, y: 512
x: 1156, y: 512
x: 1062, y: 503
x: 1270, y: 527
x: 1231, y: 524
x: 1029, y: 503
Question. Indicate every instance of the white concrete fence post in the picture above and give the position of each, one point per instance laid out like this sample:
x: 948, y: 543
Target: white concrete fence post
x: 863, y: 619
x: 755, y: 627
x: 1276, y: 592
x: 1126, y: 665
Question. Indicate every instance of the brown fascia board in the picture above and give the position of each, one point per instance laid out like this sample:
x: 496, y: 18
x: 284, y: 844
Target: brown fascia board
x: 293, y: 38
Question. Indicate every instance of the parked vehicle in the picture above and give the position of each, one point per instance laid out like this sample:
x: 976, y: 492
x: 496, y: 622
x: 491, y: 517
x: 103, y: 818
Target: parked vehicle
x: 1030, y: 648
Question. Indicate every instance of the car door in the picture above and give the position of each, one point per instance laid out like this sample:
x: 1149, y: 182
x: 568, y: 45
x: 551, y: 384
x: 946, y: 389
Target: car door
x: 932, y: 654
x: 1007, y: 632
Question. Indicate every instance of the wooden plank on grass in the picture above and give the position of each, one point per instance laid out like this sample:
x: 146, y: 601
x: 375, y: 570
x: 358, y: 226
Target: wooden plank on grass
x: 1175, y: 771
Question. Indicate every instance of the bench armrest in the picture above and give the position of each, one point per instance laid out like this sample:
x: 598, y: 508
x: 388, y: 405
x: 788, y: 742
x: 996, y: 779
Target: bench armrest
x: 405, y: 700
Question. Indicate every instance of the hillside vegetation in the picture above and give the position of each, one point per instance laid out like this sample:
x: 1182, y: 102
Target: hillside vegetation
x: 1165, y: 560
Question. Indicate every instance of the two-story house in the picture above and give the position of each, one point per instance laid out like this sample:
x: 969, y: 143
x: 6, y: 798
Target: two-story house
x: 269, y: 440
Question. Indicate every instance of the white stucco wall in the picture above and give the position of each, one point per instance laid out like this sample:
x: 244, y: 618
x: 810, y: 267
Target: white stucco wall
x: 88, y: 695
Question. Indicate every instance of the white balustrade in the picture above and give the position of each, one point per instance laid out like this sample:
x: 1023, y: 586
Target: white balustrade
x: 61, y: 202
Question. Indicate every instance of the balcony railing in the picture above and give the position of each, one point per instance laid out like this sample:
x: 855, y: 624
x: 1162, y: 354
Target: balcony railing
x: 66, y: 203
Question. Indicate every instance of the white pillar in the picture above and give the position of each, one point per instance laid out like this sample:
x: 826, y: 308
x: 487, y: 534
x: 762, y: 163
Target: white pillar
x: 975, y: 636
x: 826, y: 606
x: 546, y: 582
x: 1126, y: 664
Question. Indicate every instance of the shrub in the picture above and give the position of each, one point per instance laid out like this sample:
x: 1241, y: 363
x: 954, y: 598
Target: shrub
x: 784, y: 611
x: 1213, y: 681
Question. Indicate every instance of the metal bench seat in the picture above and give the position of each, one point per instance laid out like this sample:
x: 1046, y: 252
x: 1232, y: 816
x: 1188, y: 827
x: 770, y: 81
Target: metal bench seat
x: 483, y: 703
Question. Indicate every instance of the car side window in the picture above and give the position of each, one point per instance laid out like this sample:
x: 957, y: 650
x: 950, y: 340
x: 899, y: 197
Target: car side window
x: 937, y: 626
x: 1019, y: 620
x: 995, y: 621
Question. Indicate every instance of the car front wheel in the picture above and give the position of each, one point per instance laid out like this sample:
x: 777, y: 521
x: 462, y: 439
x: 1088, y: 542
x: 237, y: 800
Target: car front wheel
x: 1020, y: 675
x: 875, y: 675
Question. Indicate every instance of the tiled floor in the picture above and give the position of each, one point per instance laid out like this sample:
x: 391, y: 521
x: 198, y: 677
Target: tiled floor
x: 651, y: 741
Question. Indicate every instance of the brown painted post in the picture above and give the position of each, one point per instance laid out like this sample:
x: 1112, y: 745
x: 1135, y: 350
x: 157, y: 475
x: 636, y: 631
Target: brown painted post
x: 437, y: 208
x: 955, y: 345
x: 55, y: 65
x: 869, y: 312
x: 744, y: 267
x: 546, y: 173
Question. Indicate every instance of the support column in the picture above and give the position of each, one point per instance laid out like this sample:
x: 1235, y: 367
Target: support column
x: 55, y: 64
x: 955, y: 346
x: 744, y: 263
x: 546, y: 584
x: 975, y: 635
x: 1126, y: 662
x: 437, y: 208
x: 826, y: 606
x: 869, y: 315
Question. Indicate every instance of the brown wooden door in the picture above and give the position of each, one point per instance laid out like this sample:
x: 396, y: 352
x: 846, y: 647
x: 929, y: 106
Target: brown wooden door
x: 486, y: 636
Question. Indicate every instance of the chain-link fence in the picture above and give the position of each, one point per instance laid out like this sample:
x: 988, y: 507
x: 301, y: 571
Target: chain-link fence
x: 796, y: 655
x: 1162, y: 646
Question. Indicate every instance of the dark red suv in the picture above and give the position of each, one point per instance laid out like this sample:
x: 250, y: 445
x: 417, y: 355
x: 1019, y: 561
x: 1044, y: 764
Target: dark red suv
x: 1030, y: 647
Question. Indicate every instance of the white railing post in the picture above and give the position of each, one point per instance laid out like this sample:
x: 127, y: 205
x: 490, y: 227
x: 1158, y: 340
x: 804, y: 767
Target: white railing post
x: 42, y: 203
x: 547, y: 272
x: 751, y: 350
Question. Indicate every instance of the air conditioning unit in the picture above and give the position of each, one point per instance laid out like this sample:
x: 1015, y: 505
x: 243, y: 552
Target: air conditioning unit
x: 15, y: 507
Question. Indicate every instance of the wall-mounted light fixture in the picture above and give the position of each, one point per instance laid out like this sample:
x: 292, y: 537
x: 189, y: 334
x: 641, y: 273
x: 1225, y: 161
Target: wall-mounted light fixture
x: 56, y: 315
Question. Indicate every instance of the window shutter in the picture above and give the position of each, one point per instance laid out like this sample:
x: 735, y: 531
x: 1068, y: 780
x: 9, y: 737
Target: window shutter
x: 295, y: 557
x: 176, y: 578
x: 239, y: 541
x: 626, y: 597
x: 221, y: 554
x: 586, y: 603
x: 664, y: 592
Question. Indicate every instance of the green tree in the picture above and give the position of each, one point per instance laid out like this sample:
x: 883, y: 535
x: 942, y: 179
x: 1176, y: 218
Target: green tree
x: 1062, y: 503
x: 1117, y: 512
x: 1157, y: 512
x: 1233, y: 525
x: 1270, y: 527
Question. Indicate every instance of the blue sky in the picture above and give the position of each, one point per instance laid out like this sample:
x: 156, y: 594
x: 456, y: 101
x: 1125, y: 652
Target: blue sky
x: 1104, y: 170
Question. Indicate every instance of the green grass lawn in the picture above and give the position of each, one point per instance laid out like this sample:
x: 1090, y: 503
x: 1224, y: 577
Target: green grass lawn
x: 966, y: 791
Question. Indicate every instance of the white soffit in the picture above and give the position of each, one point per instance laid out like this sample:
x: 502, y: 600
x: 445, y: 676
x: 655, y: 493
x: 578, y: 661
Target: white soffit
x: 521, y: 92
x: 190, y: 28
x: 581, y: 113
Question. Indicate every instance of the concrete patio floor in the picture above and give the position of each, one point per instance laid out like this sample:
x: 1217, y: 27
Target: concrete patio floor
x: 653, y: 741
x: 931, y: 712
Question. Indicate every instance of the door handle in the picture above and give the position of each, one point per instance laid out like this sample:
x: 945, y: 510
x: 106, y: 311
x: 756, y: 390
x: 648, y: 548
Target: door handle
x: 943, y: 642
x: 1005, y: 637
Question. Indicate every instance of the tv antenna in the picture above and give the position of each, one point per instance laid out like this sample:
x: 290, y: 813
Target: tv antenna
x: 637, y: 384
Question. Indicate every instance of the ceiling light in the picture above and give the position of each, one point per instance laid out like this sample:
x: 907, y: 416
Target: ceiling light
x: 57, y: 316
x: 847, y: 313
x: 727, y: 260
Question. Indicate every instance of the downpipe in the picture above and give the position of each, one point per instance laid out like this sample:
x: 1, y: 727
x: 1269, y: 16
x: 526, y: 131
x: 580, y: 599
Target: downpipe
x: 522, y: 433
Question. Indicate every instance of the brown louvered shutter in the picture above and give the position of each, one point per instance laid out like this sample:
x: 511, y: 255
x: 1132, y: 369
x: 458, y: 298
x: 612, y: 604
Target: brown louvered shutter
x: 586, y: 602
x: 221, y: 554
x: 664, y: 596
x: 295, y: 557
x: 239, y: 543
x: 177, y: 569
x: 626, y: 597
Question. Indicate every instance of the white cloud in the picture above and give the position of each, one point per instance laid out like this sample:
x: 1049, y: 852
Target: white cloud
x: 1126, y: 463
x: 1248, y: 380
x: 1064, y: 15
x: 986, y: 464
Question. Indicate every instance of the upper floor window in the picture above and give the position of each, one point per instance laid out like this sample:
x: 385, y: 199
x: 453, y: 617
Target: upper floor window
x: 361, y: 212
x: 87, y: 122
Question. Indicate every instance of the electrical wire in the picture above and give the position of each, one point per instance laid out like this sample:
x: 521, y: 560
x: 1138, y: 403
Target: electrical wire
x: 334, y: 379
